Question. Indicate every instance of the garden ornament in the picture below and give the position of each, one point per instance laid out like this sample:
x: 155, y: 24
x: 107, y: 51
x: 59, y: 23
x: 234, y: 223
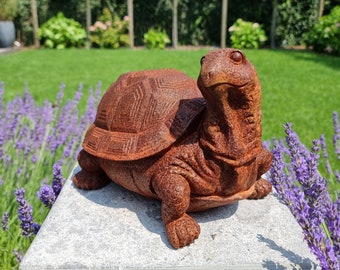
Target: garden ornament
x: 193, y: 145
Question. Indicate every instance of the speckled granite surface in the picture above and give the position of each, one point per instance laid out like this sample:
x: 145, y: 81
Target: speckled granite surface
x: 112, y: 228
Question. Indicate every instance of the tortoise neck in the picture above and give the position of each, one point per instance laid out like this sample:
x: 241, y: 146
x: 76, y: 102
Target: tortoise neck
x: 232, y: 132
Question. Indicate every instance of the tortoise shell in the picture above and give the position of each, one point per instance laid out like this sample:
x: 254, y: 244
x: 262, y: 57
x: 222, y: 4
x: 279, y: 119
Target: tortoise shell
x: 143, y: 113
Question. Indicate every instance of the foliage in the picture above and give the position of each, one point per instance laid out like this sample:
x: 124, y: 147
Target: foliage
x: 8, y: 9
x: 294, y: 19
x: 77, y: 9
x: 156, y: 39
x: 34, y: 138
x: 325, y: 35
x: 23, y: 19
x: 296, y: 178
x: 60, y: 32
x: 247, y: 35
x: 110, y: 32
x: 199, y: 22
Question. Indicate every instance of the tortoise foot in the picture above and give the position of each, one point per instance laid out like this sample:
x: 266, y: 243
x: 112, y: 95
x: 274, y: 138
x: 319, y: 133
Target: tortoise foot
x: 90, y: 180
x: 262, y: 189
x: 182, y: 231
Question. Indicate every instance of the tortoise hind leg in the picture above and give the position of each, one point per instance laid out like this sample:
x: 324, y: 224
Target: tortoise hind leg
x: 90, y: 180
x: 261, y: 189
x: 91, y: 176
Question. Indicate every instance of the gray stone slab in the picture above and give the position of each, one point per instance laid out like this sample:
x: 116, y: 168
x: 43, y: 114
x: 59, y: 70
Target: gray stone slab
x: 112, y: 228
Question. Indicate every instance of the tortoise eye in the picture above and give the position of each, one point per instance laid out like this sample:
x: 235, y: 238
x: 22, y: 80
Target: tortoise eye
x: 236, y: 56
x: 201, y: 61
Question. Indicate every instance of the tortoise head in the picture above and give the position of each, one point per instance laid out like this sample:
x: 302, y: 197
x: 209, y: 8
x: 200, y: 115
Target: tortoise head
x: 225, y: 71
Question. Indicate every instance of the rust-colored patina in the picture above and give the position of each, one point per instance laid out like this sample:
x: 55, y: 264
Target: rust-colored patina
x: 192, y: 145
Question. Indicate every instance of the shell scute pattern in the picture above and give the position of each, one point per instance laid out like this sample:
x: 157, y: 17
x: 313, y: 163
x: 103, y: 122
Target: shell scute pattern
x: 143, y: 113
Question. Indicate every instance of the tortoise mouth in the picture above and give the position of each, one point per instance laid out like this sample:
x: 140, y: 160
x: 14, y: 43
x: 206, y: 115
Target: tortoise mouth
x: 208, y: 82
x: 231, y: 85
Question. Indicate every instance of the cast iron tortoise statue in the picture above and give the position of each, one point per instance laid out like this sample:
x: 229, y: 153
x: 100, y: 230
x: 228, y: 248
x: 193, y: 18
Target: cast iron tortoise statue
x: 192, y: 145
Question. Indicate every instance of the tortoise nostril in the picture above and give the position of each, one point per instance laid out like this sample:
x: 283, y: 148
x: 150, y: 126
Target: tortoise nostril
x: 236, y: 56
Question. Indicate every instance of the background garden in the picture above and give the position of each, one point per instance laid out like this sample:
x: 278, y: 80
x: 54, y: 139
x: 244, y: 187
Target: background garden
x: 49, y: 97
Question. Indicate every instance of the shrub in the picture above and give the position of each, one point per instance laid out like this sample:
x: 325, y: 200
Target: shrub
x: 299, y: 184
x: 8, y: 9
x: 247, y: 35
x: 110, y: 32
x: 325, y: 35
x: 294, y: 18
x: 156, y: 39
x: 60, y: 32
x: 34, y: 140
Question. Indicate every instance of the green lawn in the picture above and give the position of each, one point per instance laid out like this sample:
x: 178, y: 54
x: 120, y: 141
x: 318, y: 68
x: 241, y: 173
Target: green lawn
x: 299, y: 87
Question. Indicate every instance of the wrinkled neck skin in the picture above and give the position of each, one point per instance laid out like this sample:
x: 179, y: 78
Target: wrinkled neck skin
x: 231, y: 130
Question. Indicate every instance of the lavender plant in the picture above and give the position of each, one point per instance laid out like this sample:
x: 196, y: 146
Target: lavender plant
x: 296, y: 177
x: 36, y: 141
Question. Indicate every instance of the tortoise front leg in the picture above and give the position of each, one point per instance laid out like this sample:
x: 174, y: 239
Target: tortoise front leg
x: 174, y: 191
x: 262, y: 187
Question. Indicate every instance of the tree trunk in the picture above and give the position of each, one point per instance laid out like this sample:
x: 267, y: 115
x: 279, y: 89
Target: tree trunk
x: 321, y: 8
x: 35, y: 23
x: 88, y: 23
x: 224, y: 23
x: 273, y: 25
x: 131, y: 31
x: 174, y: 25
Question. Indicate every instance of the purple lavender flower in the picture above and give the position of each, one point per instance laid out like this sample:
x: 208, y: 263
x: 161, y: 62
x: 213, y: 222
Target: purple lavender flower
x: 4, y: 221
x: 69, y: 147
x: 336, y: 136
x: 44, y: 117
x: 8, y: 160
x: 65, y: 126
x: 35, y: 228
x: 28, y: 227
x: 34, y: 158
x: 19, y: 171
x: 46, y: 195
x: 301, y: 187
x: 79, y: 93
x: 337, y: 176
x: 2, y: 90
x: 18, y: 255
x: 325, y: 154
x: 332, y: 218
x: 60, y: 94
x: 58, y: 180
x: 27, y: 133
x: 47, y: 112
x: 28, y: 106
x: 2, y: 153
x: 90, y: 113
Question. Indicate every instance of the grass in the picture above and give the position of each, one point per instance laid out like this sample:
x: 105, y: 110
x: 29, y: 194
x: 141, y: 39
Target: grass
x: 44, y: 70
x: 299, y: 87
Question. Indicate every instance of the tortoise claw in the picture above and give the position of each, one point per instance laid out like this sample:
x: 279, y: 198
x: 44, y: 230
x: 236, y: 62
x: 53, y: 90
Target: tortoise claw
x: 261, y: 189
x: 182, y: 231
